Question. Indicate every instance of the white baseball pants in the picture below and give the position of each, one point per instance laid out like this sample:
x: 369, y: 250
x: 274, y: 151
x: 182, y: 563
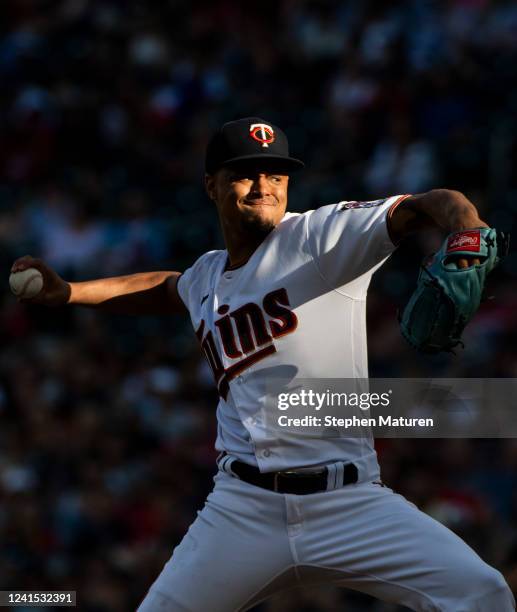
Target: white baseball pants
x: 249, y: 543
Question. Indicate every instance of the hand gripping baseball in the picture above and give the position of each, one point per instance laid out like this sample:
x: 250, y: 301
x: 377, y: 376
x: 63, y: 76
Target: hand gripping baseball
x: 450, y: 288
x: 55, y: 291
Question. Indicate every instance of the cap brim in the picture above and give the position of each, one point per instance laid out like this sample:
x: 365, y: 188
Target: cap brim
x: 290, y: 164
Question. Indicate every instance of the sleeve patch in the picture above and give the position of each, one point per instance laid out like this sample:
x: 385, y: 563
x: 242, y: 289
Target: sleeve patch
x: 355, y: 204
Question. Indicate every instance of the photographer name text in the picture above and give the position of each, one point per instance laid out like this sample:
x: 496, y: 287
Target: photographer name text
x: 353, y: 421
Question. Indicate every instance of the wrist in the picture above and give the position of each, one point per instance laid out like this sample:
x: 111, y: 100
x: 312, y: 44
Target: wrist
x: 72, y: 289
x: 451, y: 210
x: 463, y: 225
x: 464, y: 216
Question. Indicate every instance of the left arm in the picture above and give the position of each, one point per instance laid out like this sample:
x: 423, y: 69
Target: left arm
x: 451, y: 282
x: 445, y: 209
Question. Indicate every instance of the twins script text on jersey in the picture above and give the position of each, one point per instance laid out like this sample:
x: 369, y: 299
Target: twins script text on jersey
x: 247, y: 335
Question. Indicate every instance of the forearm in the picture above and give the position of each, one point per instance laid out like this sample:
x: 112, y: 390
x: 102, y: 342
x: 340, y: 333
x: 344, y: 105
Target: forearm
x: 445, y: 209
x: 143, y: 293
x: 449, y: 210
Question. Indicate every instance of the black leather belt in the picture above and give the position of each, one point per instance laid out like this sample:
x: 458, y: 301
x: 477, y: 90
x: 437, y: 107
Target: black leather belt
x: 297, y: 483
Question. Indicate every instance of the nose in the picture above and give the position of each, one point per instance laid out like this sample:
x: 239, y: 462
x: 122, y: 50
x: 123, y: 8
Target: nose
x: 260, y: 185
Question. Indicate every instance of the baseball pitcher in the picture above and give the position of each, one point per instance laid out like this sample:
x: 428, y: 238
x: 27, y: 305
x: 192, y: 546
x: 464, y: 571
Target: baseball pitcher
x: 287, y: 298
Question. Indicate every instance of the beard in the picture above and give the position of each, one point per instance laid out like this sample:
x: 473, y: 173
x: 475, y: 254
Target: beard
x: 257, y: 227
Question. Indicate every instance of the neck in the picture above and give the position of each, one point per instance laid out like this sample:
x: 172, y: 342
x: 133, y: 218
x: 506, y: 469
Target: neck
x: 241, y: 243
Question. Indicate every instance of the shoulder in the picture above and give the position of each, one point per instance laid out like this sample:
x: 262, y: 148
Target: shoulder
x: 292, y: 225
x: 196, y: 279
x: 316, y: 220
x: 200, y: 269
x: 208, y: 260
x: 290, y: 219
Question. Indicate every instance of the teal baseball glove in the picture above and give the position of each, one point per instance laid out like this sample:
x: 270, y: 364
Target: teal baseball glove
x: 447, y: 296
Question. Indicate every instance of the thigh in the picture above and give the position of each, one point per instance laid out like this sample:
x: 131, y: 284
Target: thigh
x: 374, y: 540
x: 235, y: 549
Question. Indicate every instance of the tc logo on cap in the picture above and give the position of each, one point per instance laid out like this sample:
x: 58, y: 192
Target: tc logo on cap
x: 262, y: 133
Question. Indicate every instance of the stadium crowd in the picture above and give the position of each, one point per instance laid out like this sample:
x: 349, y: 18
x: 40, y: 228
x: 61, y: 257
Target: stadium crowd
x: 108, y: 422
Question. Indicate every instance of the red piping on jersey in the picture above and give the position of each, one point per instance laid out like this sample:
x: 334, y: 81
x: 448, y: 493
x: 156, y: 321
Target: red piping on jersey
x: 390, y: 214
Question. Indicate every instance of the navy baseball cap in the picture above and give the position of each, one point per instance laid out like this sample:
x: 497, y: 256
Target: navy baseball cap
x: 249, y: 139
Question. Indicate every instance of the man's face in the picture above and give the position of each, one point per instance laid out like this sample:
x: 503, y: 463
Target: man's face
x: 249, y: 197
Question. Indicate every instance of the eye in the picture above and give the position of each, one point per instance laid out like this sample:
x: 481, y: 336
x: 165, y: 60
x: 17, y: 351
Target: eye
x: 275, y: 178
x: 240, y: 177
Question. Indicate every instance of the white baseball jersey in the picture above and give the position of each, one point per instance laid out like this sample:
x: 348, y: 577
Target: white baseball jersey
x: 295, y: 309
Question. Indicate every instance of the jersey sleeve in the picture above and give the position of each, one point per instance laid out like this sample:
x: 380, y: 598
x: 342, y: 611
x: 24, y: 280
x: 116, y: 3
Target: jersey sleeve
x: 195, y: 281
x: 350, y: 240
x: 183, y: 285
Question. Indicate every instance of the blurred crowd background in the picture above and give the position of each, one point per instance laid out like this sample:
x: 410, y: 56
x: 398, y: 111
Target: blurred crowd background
x: 107, y: 423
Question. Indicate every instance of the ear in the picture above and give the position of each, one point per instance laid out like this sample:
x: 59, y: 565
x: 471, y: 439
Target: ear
x: 210, y: 186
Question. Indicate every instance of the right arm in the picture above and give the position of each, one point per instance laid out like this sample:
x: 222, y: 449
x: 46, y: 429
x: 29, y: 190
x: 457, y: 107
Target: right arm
x: 145, y: 293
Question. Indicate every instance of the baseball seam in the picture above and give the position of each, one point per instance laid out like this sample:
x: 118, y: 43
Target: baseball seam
x: 27, y: 283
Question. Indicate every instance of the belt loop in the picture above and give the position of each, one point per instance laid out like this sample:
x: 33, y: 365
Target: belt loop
x: 335, y: 472
x: 331, y: 476
x: 224, y: 463
x: 340, y: 474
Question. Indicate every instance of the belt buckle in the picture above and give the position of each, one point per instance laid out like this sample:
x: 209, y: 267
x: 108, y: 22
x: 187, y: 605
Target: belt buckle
x: 277, y: 476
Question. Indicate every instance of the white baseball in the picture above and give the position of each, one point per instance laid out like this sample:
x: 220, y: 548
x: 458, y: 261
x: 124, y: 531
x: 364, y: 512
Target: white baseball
x: 27, y: 283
